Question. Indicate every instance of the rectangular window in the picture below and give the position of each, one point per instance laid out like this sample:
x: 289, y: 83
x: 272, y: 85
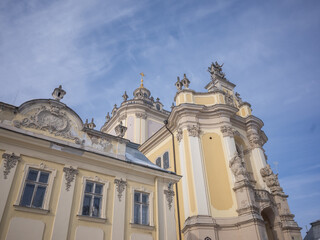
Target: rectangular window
x: 141, y: 208
x: 92, y: 199
x: 35, y: 188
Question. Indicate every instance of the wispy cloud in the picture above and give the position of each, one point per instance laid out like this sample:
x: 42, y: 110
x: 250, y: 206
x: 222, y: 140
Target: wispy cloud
x: 96, y: 50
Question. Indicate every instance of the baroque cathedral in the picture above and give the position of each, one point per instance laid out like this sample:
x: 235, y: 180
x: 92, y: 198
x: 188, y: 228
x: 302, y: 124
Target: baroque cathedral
x: 197, y: 172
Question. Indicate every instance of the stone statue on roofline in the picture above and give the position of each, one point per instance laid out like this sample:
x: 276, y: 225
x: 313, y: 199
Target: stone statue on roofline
x: 216, y: 71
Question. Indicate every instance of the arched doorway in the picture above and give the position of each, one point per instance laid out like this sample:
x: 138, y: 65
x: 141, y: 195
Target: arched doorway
x: 268, y: 217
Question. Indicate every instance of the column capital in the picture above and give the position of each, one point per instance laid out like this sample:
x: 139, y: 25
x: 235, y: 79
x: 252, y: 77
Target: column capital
x: 255, y: 140
x: 227, y: 131
x: 194, y: 130
x: 141, y: 115
x: 179, y: 134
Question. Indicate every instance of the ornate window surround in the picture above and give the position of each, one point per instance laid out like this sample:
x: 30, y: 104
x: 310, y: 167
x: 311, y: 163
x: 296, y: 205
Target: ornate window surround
x: 143, y: 190
x: 46, y: 202
x: 105, y: 183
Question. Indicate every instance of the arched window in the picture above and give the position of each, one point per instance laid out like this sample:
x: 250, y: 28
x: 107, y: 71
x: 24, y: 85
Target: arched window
x: 163, y: 161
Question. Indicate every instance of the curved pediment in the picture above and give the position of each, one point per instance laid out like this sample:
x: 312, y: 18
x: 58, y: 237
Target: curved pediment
x: 50, y: 116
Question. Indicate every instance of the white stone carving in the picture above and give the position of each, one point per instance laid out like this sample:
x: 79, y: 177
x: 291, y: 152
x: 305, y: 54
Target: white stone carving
x: 194, y: 130
x: 179, y: 134
x: 238, y: 169
x: 169, y: 195
x: 120, y: 186
x: 70, y: 174
x: 271, y: 179
x: 255, y: 140
x: 227, y: 131
x: 10, y: 161
x: 100, y: 143
x: 141, y: 115
x: 51, y: 119
x: 120, y: 130
x: 216, y: 71
x: 229, y: 99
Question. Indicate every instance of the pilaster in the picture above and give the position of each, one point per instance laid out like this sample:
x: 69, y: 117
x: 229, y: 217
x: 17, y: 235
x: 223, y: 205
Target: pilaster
x: 198, y: 170
x: 169, y: 212
x: 119, y: 206
x: 62, y: 218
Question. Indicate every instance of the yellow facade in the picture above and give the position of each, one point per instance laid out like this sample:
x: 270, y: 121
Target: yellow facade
x: 197, y: 172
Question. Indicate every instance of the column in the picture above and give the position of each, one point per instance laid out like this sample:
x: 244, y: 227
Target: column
x: 62, y: 218
x: 7, y: 171
x: 119, y: 209
x: 258, y: 156
x: 228, y: 139
x: 198, y: 170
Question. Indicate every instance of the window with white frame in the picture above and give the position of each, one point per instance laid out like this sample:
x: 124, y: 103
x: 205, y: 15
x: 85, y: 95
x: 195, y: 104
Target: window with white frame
x: 35, y: 188
x: 141, y: 208
x: 163, y: 161
x: 94, y: 198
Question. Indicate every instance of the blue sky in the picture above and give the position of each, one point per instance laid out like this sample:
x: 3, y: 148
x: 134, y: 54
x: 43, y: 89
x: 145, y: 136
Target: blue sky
x: 96, y: 50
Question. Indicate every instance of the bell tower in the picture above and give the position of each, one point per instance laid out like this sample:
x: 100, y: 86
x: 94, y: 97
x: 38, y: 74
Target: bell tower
x: 141, y: 116
x: 228, y: 190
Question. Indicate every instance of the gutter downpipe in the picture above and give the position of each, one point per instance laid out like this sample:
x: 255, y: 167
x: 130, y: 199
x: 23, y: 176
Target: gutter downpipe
x: 175, y: 170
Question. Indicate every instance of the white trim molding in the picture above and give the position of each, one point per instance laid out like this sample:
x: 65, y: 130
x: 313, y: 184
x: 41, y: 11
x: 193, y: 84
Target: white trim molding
x: 47, y: 197
x: 151, y: 200
x: 103, y: 211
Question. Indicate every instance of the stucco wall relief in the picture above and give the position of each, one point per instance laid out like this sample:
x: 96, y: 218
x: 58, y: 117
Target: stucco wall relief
x: 52, y: 119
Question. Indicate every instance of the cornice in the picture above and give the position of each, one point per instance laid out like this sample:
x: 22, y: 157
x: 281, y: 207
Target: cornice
x: 254, y: 121
x: 133, y: 106
x: 77, y: 155
x: 187, y: 109
x: 4, y: 105
x: 97, y: 133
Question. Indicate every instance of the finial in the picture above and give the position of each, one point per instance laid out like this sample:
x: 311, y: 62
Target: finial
x: 178, y: 84
x: 125, y: 96
x: 185, y: 81
x: 58, y: 93
x: 142, y: 75
x: 172, y: 106
x: 108, y: 117
x: 90, y: 125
